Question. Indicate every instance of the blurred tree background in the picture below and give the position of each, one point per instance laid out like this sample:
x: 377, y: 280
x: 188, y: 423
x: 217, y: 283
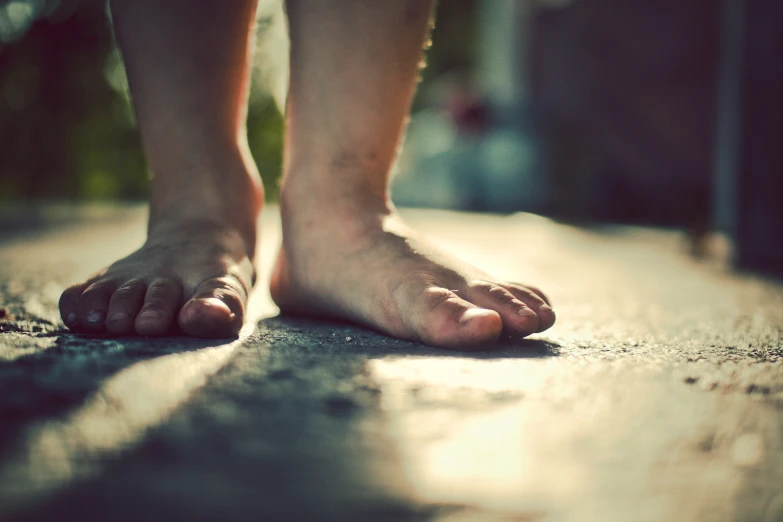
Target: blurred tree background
x: 67, y: 129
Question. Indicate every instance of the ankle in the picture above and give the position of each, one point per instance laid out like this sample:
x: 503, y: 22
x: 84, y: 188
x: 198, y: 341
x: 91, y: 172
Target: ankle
x: 187, y: 230
x: 226, y: 193
x: 331, y: 200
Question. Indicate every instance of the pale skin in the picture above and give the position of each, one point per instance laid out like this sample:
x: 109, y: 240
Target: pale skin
x: 346, y: 253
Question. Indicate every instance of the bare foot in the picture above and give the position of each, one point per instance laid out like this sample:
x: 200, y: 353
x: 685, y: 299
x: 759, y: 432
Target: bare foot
x: 365, y: 265
x: 194, y: 271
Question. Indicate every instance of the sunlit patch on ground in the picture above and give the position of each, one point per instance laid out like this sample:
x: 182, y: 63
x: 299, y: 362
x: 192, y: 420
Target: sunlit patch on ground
x: 540, y: 437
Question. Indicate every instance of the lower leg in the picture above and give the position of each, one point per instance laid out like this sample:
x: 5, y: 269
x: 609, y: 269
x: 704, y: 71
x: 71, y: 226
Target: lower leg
x: 188, y: 70
x: 187, y: 65
x: 345, y: 252
x: 353, y: 71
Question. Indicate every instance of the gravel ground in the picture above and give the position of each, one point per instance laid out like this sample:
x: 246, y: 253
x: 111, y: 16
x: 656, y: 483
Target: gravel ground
x: 657, y: 396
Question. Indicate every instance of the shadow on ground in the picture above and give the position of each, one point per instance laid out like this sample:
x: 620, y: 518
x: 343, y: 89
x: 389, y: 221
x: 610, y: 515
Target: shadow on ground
x: 331, y: 337
x: 290, y: 412
x: 57, y: 371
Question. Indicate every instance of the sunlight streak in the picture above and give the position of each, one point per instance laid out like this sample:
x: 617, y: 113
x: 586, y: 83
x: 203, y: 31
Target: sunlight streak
x: 113, y: 419
x: 526, y: 436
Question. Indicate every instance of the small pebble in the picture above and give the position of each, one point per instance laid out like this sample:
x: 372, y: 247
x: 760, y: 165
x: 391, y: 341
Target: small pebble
x: 348, y: 339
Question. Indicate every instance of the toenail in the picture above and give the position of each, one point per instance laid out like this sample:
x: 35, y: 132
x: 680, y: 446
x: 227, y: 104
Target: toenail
x: 119, y: 316
x: 545, y: 308
x: 95, y: 317
x: 467, y: 315
x: 151, y: 314
x: 213, y: 303
x: 71, y: 318
x: 526, y: 311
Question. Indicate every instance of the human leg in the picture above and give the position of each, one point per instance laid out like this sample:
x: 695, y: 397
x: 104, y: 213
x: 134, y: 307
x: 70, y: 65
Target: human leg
x: 345, y: 252
x: 187, y: 64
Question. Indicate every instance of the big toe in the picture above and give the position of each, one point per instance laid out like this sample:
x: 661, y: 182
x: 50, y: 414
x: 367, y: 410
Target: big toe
x: 216, y: 310
x: 209, y: 317
x: 452, y: 322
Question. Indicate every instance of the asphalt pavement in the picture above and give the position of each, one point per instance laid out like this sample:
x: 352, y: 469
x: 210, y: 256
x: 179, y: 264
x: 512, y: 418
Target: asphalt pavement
x: 657, y: 396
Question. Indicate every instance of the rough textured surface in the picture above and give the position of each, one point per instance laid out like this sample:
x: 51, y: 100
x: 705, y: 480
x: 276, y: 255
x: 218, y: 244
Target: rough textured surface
x: 657, y: 396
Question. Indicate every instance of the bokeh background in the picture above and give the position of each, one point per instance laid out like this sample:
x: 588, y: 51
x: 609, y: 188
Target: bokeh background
x: 67, y: 128
x: 663, y: 113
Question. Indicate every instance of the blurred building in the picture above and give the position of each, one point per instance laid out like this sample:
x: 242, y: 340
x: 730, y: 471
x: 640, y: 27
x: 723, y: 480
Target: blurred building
x: 474, y: 146
x: 667, y: 113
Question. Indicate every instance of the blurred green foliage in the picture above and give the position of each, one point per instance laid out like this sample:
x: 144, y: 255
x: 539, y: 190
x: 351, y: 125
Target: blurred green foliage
x: 265, y: 136
x: 67, y: 129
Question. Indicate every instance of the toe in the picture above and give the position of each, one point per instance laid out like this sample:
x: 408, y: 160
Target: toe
x: 69, y: 307
x: 161, y: 302
x: 451, y: 322
x: 93, y: 305
x: 217, y: 309
x: 519, y: 320
x: 537, y: 291
x: 537, y: 301
x: 124, y: 305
